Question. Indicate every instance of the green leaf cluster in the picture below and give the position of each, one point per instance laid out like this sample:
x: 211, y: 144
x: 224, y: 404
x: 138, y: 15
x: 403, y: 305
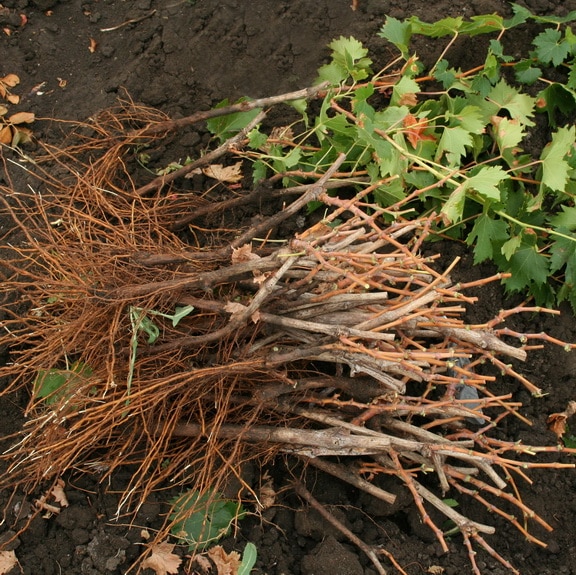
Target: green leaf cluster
x: 455, y: 142
x: 349, y: 60
x: 201, y: 519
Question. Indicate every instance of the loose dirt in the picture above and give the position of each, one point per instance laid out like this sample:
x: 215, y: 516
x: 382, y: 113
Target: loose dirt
x: 75, y: 58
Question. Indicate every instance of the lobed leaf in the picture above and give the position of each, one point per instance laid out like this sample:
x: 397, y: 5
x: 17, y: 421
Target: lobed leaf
x: 551, y: 47
x: 348, y: 60
x: 398, y: 33
x: 508, y: 133
x: 445, y: 27
x: 485, y: 234
x: 566, y: 218
x: 554, y: 165
x: 528, y: 267
x: 486, y: 182
x: 519, y: 105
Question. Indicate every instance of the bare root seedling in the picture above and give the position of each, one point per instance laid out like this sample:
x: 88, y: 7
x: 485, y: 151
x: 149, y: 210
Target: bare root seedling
x: 343, y: 340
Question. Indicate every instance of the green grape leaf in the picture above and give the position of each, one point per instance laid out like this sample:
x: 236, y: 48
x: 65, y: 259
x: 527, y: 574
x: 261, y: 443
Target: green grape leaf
x: 527, y: 267
x: 454, y: 206
x: 332, y: 73
x: 551, y: 47
x: 508, y: 132
x: 554, y: 166
x: 482, y: 24
x: 510, y: 247
x: 486, y: 233
x: 256, y: 139
x: 389, y: 194
x: 446, y: 27
x: 470, y: 118
x: 454, y: 142
x: 566, y: 218
x: 563, y: 252
x: 572, y: 76
x: 526, y: 73
x: 481, y: 85
x: 520, y: 106
x: 521, y: 15
x: 549, y: 19
x: 556, y: 97
x: 223, y: 127
x: 497, y: 49
x: 259, y: 171
x: 348, y: 60
x: 444, y: 74
x: 397, y: 32
x: 300, y: 106
x: 52, y: 385
x: 403, y: 89
x: 491, y: 68
x: 486, y: 181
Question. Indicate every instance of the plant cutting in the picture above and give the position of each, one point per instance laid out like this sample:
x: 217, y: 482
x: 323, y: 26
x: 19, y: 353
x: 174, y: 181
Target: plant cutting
x: 431, y: 138
x: 339, y: 341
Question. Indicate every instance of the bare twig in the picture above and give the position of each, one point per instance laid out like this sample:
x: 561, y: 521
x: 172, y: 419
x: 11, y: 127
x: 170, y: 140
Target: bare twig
x: 131, y: 21
x: 246, y: 106
x: 161, y: 181
x: 370, y: 553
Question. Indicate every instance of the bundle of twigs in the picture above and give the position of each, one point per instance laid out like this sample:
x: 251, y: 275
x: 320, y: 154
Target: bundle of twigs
x: 342, y: 340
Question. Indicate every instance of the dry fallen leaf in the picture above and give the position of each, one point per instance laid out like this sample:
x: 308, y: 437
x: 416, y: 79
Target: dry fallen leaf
x: 202, y: 564
x: 243, y: 254
x: 8, y: 561
x: 226, y: 563
x: 259, y: 277
x: 557, y: 424
x: 162, y: 560
x: 284, y: 133
x: 317, y: 231
x: 234, y: 307
x: 58, y: 494
x: 6, y: 135
x: 267, y: 495
x: 435, y: 570
x: 10, y: 80
x: 557, y: 421
x: 229, y: 174
x: 21, y: 118
x: 43, y: 505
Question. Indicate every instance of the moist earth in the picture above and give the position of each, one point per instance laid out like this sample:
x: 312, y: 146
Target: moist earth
x: 75, y: 58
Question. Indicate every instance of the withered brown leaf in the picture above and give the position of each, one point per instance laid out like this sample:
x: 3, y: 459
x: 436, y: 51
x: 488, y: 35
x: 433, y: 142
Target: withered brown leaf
x: 161, y: 559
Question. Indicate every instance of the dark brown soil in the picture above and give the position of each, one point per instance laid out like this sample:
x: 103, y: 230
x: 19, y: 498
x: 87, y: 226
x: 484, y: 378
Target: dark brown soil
x: 182, y: 56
